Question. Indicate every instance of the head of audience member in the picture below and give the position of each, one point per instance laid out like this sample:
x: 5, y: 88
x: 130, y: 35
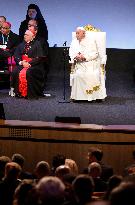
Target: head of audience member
x: 123, y: 194
x: 5, y: 29
x: 95, y: 154
x: 80, y: 33
x: 61, y: 171
x: 57, y: 160
x: 83, y: 186
x: 18, y: 158
x: 28, y: 36
x: 33, y: 12
x: 73, y: 166
x: 94, y: 170
x: 3, y: 161
x: 2, y: 20
x: 12, y: 171
x: 42, y: 169
x: 25, y: 194
x: 51, y: 190
x: 113, y: 182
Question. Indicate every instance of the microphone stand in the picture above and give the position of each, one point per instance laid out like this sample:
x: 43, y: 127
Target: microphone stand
x: 65, y: 60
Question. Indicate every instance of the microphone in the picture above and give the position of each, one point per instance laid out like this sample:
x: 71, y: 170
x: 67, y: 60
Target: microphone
x: 65, y: 43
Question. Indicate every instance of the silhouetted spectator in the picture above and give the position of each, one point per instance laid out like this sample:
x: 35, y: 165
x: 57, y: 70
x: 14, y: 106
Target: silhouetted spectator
x: 57, y: 160
x: 124, y: 194
x: 61, y: 171
x: 73, y: 166
x: 83, y: 186
x: 51, y: 191
x: 9, y: 183
x: 95, y: 155
x: 42, y: 169
x: 95, y: 170
x: 3, y: 161
x: 25, y: 193
x: 113, y: 182
x: 19, y: 159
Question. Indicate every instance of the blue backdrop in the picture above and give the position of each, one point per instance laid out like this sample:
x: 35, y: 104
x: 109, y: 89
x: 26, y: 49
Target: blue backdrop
x: 116, y: 18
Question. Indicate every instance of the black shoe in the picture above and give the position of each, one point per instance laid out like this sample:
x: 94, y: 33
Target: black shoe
x: 100, y: 100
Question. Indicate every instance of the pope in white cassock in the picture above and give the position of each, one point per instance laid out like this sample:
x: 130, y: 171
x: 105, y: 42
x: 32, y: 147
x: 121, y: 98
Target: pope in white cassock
x: 87, y: 78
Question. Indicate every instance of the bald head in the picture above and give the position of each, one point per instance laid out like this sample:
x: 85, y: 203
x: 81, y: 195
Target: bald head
x: 28, y: 36
x: 5, y: 29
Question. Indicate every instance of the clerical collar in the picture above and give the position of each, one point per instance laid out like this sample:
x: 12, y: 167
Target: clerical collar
x: 5, y: 39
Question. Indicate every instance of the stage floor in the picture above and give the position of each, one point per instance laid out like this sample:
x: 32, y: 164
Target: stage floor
x: 118, y: 108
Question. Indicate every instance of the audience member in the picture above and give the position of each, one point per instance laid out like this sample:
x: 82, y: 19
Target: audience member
x: 57, y: 160
x: 113, y: 182
x: 95, y: 155
x: 83, y: 186
x: 124, y: 194
x: 3, y: 161
x: 95, y: 171
x: 42, y: 169
x: 19, y: 159
x: 51, y: 191
x: 61, y: 171
x: 9, y: 183
x: 33, y: 12
x: 25, y: 193
x: 73, y: 166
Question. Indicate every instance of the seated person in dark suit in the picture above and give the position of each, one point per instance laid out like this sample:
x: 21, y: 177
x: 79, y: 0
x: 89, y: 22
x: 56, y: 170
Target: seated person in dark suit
x: 27, y: 79
x: 95, y: 155
x: 8, y: 43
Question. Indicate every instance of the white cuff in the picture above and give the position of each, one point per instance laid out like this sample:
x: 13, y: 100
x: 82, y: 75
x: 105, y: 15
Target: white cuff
x: 20, y: 63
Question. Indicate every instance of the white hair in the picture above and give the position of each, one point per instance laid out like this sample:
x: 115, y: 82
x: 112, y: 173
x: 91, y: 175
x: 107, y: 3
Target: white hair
x: 50, y: 188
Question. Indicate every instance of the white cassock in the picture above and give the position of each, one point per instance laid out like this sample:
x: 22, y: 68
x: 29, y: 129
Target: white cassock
x: 87, y: 79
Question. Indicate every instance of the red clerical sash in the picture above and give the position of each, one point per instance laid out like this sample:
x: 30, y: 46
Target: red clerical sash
x: 22, y: 78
